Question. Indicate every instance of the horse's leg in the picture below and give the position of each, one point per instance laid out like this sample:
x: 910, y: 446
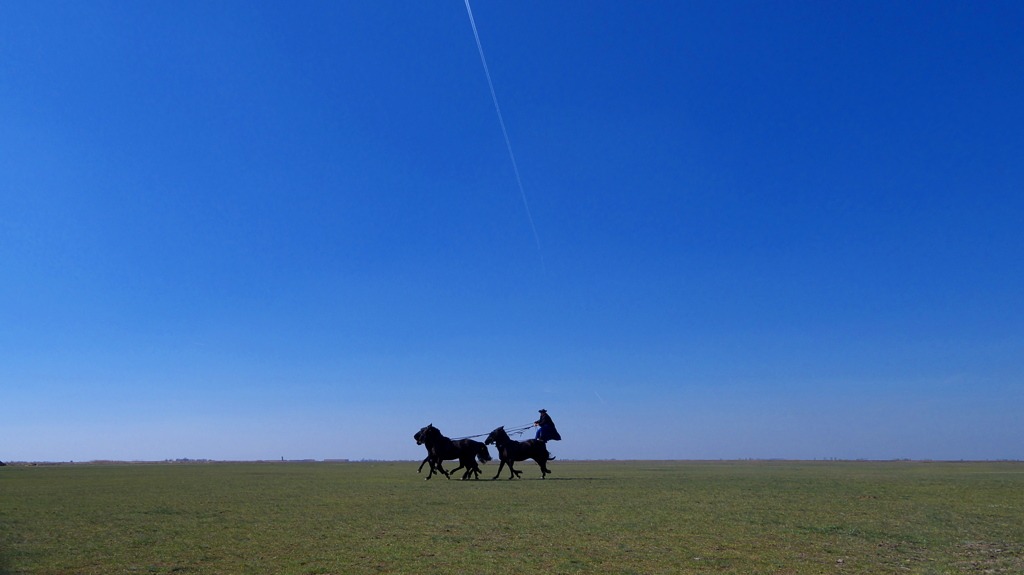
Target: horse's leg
x: 542, y: 459
x: 513, y: 473
x: 421, y: 464
x: 543, y: 468
x: 461, y: 465
x: 467, y: 465
x: 440, y: 468
x: 436, y: 467
x: 476, y: 469
x: 501, y: 465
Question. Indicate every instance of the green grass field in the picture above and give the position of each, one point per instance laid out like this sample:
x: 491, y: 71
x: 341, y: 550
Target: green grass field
x: 589, y: 517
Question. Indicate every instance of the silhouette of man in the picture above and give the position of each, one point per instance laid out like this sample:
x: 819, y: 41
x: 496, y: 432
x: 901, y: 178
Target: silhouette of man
x: 547, y: 431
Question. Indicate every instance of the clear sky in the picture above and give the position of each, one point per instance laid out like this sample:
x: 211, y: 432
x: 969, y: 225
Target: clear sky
x: 254, y: 230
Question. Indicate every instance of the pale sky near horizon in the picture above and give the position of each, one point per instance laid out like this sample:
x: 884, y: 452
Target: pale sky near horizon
x: 254, y: 230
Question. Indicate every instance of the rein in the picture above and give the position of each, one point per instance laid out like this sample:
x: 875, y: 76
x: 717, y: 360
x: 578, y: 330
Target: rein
x: 514, y: 431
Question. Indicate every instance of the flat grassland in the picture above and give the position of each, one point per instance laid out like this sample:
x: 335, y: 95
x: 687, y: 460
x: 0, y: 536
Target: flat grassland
x: 589, y: 517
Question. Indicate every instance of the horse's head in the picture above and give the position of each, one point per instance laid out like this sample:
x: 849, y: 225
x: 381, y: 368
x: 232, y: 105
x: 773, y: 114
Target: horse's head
x: 424, y: 434
x: 496, y: 436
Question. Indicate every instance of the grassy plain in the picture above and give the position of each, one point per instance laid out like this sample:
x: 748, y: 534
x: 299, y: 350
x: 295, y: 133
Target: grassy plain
x: 589, y: 517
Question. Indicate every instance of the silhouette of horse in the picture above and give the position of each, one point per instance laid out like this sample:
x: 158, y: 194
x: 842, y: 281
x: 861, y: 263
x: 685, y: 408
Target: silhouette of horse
x: 510, y: 451
x: 421, y: 439
x: 440, y: 448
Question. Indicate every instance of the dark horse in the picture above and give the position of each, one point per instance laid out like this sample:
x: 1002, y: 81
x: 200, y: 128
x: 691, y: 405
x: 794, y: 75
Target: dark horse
x: 440, y: 448
x: 509, y: 451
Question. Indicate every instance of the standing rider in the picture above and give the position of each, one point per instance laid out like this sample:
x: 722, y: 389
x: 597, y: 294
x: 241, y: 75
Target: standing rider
x: 547, y: 431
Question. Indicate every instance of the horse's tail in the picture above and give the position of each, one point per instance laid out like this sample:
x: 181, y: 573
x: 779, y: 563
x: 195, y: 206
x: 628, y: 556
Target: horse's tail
x: 483, y: 455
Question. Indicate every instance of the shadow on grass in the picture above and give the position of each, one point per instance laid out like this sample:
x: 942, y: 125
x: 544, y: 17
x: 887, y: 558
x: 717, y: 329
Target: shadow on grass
x: 551, y: 479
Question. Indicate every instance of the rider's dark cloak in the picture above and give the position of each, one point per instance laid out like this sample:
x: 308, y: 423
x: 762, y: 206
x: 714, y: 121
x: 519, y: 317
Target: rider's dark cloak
x: 547, y: 431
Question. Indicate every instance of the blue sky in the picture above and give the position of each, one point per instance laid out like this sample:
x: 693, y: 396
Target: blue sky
x: 252, y: 230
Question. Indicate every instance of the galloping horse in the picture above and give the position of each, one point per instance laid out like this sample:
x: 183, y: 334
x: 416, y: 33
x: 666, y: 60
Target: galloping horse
x: 440, y: 448
x: 510, y: 451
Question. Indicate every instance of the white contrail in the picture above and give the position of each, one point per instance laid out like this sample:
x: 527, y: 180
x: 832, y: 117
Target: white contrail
x: 508, y: 144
